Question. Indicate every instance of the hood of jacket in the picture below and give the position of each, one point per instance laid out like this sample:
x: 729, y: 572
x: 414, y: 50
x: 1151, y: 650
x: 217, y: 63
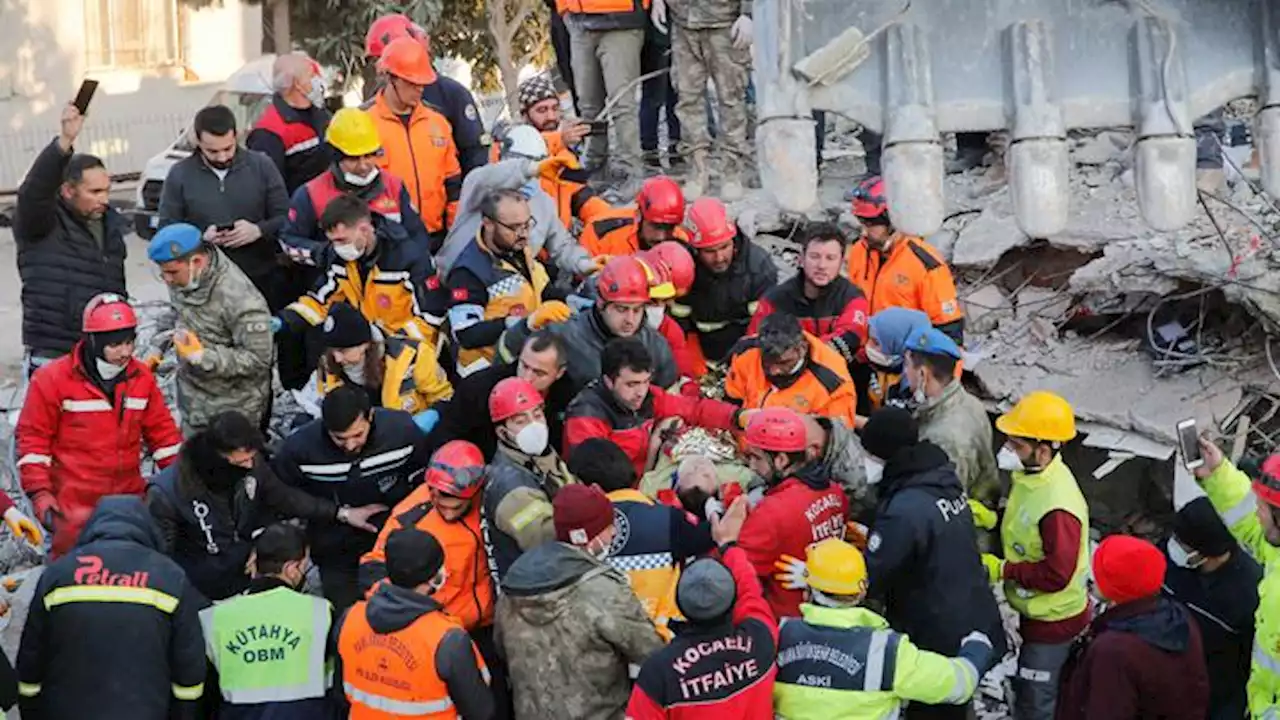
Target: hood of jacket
x: 541, y: 583
x: 1160, y: 622
x: 394, y: 608
x: 923, y: 465
x: 208, y: 281
x: 121, y: 517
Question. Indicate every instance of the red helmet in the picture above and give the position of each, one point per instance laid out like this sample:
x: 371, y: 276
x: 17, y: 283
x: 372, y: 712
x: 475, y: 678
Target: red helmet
x: 777, y: 429
x: 456, y: 469
x: 868, y: 198
x: 512, y: 396
x: 623, y: 280
x: 676, y: 258
x: 388, y: 28
x: 108, y: 312
x: 1267, y: 485
x: 660, y: 201
x: 711, y: 225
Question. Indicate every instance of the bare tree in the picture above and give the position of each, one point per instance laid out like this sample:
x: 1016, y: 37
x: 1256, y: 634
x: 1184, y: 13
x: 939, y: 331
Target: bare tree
x: 506, y: 19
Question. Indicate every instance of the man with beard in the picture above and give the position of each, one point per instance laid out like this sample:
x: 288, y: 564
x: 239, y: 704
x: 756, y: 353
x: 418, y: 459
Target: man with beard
x: 221, y: 491
x: 784, y: 366
x: 655, y: 218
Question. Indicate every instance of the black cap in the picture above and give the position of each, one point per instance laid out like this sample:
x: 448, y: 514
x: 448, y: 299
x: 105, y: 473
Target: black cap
x: 1198, y: 527
x: 346, y: 327
x: 413, y: 557
x: 888, y: 430
x: 706, y: 591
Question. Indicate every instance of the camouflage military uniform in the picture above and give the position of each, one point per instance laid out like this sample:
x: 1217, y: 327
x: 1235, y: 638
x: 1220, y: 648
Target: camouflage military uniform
x: 229, y: 316
x: 702, y: 46
x: 957, y: 422
x: 569, y: 627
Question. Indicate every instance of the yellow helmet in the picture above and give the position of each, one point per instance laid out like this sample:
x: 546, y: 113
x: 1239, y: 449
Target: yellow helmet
x: 836, y: 567
x: 1039, y: 415
x: 352, y: 133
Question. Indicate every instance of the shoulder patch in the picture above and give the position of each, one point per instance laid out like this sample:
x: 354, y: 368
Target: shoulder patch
x: 826, y: 376
x: 458, y: 294
x: 470, y: 112
x: 410, y: 517
x: 925, y: 257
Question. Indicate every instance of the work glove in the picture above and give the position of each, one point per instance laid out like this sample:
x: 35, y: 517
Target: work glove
x: 598, y: 262
x: 978, y: 637
x: 46, y: 508
x: 276, y: 325
x: 24, y: 527
x: 552, y: 167
x: 152, y: 361
x: 551, y: 311
x: 995, y: 568
x: 712, y: 508
x: 741, y: 32
x: 855, y: 533
x: 188, y: 346
x: 984, y: 518
x: 426, y: 420
x: 793, y: 575
x: 658, y: 14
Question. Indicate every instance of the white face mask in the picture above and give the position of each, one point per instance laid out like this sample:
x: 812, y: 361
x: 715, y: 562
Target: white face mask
x: 1008, y: 460
x: 1182, y: 558
x: 532, y: 438
x: 354, y: 372
x: 874, y: 470
x: 347, y: 251
x: 361, y: 180
x: 316, y: 93
x: 654, y: 314
x: 876, y: 357
x: 106, y: 370
x: 193, y: 279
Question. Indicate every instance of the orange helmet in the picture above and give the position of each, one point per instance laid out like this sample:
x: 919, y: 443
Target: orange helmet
x: 388, y: 28
x: 408, y: 59
x: 661, y: 286
x: 456, y: 469
x: 777, y: 429
x: 661, y: 201
x: 512, y: 396
x: 677, y: 260
x: 623, y: 280
x: 868, y: 198
x: 711, y: 225
x: 108, y: 312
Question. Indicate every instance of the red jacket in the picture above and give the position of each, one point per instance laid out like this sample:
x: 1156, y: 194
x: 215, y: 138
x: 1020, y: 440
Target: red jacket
x: 791, y: 516
x: 838, y: 316
x: 722, y: 672
x: 80, y: 445
x: 671, y: 331
x: 595, y: 413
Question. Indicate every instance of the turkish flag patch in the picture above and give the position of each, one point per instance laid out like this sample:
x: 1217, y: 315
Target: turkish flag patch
x: 518, y: 311
x: 433, y: 282
x: 293, y: 214
x: 459, y: 294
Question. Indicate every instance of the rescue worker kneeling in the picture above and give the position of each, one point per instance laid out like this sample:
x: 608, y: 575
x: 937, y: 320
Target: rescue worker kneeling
x: 400, y: 653
x: 286, y: 673
x: 784, y: 366
x: 842, y: 661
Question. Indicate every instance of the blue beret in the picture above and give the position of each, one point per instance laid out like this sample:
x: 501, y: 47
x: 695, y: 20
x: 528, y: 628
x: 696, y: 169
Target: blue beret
x: 173, y: 242
x: 932, y: 341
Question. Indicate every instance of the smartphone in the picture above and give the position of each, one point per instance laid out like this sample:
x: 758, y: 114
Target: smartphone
x: 598, y: 127
x: 1189, y: 444
x: 85, y: 95
x: 225, y: 228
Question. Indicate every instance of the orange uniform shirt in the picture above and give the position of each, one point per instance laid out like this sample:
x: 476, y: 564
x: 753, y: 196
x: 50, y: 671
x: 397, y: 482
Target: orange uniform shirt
x: 422, y: 154
x: 912, y: 275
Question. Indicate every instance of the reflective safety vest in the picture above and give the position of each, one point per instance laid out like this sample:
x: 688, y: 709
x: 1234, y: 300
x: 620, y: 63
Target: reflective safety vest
x: 394, y: 675
x: 509, y: 293
x: 412, y: 380
x: 1033, y: 496
x: 269, y: 647
x: 642, y: 549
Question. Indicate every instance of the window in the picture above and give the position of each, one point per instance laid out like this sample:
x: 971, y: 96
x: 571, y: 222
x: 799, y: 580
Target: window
x: 132, y: 34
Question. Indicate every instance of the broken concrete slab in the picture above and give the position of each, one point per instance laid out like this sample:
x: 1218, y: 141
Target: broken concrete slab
x: 1106, y: 146
x: 985, y: 307
x: 985, y: 238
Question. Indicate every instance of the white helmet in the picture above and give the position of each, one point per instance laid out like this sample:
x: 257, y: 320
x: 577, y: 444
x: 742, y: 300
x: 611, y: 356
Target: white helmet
x: 524, y: 141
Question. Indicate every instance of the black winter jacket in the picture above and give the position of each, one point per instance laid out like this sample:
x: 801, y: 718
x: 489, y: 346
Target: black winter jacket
x: 727, y: 300
x: 61, y: 265
x: 922, y: 555
x: 113, y: 632
x: 465, y: 416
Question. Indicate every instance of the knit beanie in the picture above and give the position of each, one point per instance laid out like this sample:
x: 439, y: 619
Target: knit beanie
x: 888, y: 430
x: 1198, y: 526
x: 535, y: 90
x: 706, y: 590
x: 580, y: 512
x: 413, y: 557
x: 346, y: 327
x: 1127, y: 568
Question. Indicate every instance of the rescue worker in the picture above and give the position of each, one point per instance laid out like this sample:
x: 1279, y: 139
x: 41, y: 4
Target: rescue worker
x: 496, y: 282
x: 1044, y: 533
x: 417, y: 141
x: 949, y: 416
x: 398, y: 373
x: 883, y: 255
x: 625, y: 407
x: 114, y: 596
x: 84, y: 420
x: 669, y: 267
x: 828, y: 306
x: 922, y: 554
x: 733, y: 274
x: 800, y: 505
x: 291, y: 130
x: 721, y: 663
x: 653, y: 542
x: 1142, y: 657
x: 446, y: 95
x: 282, y: 672
x: 356, y: 455
x: 784, y: 366
x: 353, y: 171
x: 223, y: 337
x: 541, y: 363
x: 1252, y: 518
x: 1218, y: 582
x: 522, y: 479
x: 655, y: 218
x: 622, y: 294
x: 827, y: 662
x: 209, y: 504
x: 400, y: 654
x: 887, y: 333
x: 540, y: 107
x: 70, y: 242
x: 568, y: 622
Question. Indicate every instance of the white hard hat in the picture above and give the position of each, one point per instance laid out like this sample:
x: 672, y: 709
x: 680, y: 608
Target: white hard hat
x: 524, y: 141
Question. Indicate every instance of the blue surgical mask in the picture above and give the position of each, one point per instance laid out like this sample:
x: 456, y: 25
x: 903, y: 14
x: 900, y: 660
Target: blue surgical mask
x: 529, y: 188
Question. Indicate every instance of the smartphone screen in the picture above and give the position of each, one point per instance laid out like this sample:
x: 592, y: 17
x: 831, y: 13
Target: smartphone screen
x: 225, y: 228
x: 599, y: 127
x: 1189, y: 444
x: 85, y: 95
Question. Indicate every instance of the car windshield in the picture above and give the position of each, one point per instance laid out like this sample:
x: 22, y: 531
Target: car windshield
x: 248, y: 107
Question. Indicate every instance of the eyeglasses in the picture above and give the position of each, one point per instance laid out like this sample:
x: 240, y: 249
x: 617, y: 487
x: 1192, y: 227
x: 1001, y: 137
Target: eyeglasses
x: 522, y: 229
